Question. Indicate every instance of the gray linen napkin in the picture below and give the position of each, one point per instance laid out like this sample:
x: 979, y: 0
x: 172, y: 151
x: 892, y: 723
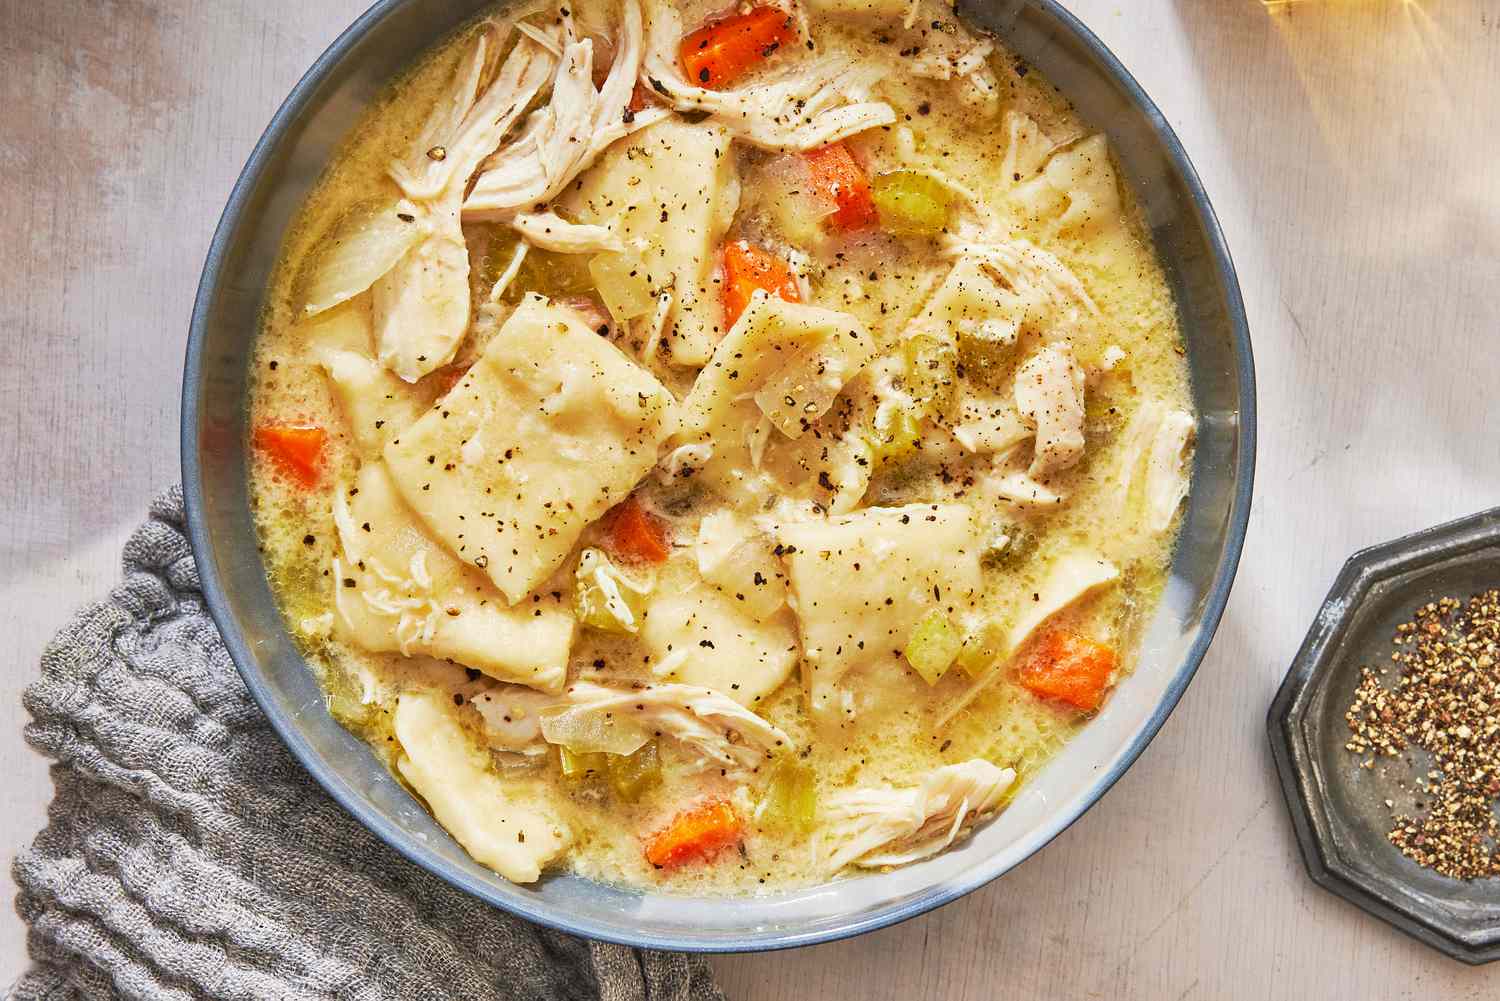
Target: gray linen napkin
x: 188, y: 855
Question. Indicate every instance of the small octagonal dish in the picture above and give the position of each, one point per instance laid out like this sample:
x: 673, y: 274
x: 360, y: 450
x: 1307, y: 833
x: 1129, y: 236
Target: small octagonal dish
x: 1338, y: 808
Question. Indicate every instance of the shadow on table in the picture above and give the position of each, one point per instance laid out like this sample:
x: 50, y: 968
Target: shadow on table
x: 1361, y: 133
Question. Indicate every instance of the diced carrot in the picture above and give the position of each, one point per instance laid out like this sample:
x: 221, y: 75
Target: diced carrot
x: 298, y: 448
x: 1071, y: 668
x: 839, y: 177
x: 634, y: 534
x: 722, y: 51
x: 748, y: 268
x: 447, y: 378
x: 695, y: 833
x: 640, y: 97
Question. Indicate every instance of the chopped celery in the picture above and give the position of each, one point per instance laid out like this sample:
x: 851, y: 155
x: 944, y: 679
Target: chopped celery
x: 1017, y: 550
x: 1102, y: 418
x: 577, y: 765
x: 898, y: 429
x: 987, y: 350
x: 343, y: 692
x: 632, y: 774
x: 791, y: 797
x: 981, y: 648
x: 931, y: 371
x: 934, y: 643
x: 604, y: 598
x: 910, y: 204
x: 346, y: 706
x: 628, y: 775
x: 622, y: 284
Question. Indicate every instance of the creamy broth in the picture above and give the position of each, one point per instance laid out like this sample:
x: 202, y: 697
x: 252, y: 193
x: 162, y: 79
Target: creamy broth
x: 923, y: 416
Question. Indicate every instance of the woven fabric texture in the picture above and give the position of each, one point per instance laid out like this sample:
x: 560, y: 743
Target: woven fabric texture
x: 188, y: 856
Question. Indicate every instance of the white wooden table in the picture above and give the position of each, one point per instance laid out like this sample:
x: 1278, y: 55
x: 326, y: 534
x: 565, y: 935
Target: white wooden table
x: 1349, y: 148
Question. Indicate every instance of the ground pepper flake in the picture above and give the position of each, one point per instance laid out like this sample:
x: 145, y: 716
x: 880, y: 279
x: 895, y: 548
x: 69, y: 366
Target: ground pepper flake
x: 1444, y: 700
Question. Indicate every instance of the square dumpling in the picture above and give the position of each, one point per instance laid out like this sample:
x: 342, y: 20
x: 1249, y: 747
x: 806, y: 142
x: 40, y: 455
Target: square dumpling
x: 396, y: 590
x: 669, y: 193
x: 551, y: 427
x: 861, y: 581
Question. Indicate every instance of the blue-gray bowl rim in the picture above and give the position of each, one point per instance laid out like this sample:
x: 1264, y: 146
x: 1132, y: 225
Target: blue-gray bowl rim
x: 285, y: 727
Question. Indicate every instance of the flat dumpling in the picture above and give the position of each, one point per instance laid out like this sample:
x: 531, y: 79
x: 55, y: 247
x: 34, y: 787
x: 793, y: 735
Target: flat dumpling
x: 513, y: 831
x: 735, y: 556
x: 699, y: 635
x: 377, y: 405
x: 669, y: 194
x: 970, y: 302
x: 396, y: 590
x: 860, y: 582
x: 1071, y: 576
x: 783, y: 361
x: 551, y: 427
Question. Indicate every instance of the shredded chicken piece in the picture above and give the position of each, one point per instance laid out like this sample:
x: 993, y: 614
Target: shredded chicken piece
x: 811, y: 102
x: 550, y: 231
x: 658, y: 326
x: 1048, y: 287
x: 421, y: 306
x: 559, y: 141
x: 1153, y: 459
x: 1018, y: 488
x: 1166, y: 468
x: 511, y: 715
x: 965, y: 62
x: 427, y: 167
x: 724, y: 734
x: 511, y: 270
x: 1026, y: 148
x: 406, y: 596
x: 883, y: 826
x: 1049, y: 392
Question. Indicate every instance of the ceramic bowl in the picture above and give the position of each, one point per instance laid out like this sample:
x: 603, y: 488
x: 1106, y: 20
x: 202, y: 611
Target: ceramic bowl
x: 287, y: 162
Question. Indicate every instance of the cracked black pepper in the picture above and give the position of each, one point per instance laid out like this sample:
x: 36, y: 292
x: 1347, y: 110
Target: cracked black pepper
x: 1440, y: 696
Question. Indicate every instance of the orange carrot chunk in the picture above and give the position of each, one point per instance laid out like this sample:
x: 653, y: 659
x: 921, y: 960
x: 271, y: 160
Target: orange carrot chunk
x: 839, y: 177
x: 297, y: 448
x: 633, y: 534
x: 1068, y: 667
x: 640, y: 97
x: 722, y: 51
x: 695, y: 833
x: 748, y: 268
x: 447, y: 378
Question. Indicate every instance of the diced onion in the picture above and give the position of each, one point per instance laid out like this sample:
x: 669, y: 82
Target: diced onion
x: 621, y: 281
x: 583, y: 730
x: 362, y: 248
x: 934, y: 644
